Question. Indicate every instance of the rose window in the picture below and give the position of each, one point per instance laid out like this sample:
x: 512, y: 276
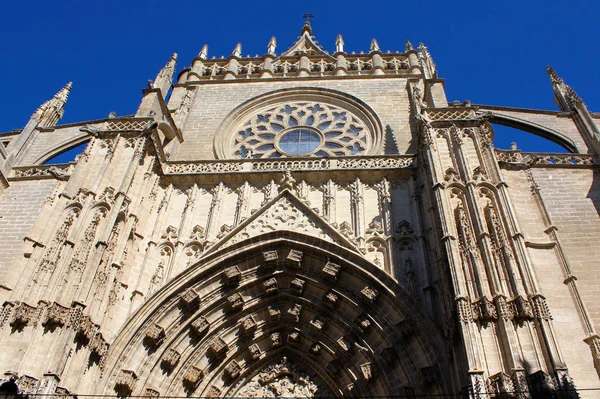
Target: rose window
x: 301, y: 129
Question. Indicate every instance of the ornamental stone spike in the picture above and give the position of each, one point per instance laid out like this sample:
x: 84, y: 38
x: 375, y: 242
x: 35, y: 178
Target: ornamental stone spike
x: 374, y: 46
x: 165, y: 76
x: 50, y: 112
x: 204, y: 52
x: 339, y: 44
x: 554, y: 78
x: 237, y: 51
x: 408, y: 47
x: 306, y: 29
x: 272, y: 46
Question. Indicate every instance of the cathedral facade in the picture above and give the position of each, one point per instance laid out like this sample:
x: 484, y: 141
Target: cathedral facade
x: 301, y: 224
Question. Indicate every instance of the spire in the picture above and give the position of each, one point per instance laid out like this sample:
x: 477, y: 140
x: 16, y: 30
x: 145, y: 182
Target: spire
x: 565, y: 96
x: 237, y: 51
x: 339, y: 44
x: 165, y: 76
x: 408, y: 47
x: 272, y: 46
x: 374, y: 46
x: 204, y: 52
x: 429, y: 68
x: 50, y: 112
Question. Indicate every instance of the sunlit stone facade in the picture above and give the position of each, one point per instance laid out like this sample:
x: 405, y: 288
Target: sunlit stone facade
x: 301, y: 224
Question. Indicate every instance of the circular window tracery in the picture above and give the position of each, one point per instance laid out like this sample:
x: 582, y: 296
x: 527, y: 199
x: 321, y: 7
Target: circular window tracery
x: 301, y: 129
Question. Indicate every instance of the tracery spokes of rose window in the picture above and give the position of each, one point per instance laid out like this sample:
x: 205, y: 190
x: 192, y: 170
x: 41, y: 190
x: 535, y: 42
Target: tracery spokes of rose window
x: 301, y: 129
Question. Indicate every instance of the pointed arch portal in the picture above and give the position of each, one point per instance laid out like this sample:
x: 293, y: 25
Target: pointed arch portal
x: 278, y: 315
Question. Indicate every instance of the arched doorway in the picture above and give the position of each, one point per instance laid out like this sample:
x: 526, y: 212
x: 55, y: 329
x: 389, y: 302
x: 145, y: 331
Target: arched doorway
x: 278, y: 315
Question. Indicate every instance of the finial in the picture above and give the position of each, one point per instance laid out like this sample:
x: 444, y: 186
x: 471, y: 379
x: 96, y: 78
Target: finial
x: 204, y: 52
x: 408, y: 47
x: 374, y: 46
x: 237, y: 51
x: 272, y: 46
x: 307, y: 28
x: 339, y: 44
x: 554, y: 78
x: 50, y: 112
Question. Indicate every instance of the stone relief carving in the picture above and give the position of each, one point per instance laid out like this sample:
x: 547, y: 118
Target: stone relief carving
x: 282, y: 380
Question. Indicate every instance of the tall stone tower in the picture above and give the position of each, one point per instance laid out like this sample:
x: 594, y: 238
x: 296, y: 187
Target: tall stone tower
x: 301, y: 224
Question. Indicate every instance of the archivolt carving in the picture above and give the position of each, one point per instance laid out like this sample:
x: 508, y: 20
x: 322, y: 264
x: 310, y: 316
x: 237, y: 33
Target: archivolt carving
x: 250, y: 328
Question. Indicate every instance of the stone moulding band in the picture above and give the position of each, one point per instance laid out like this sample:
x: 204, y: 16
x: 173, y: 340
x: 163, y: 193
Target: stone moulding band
x: 311, y: 164
x: 541, y: 159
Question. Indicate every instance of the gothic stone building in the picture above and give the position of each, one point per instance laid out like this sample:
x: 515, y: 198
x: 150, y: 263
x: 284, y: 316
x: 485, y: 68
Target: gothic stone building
x: 301, y: 224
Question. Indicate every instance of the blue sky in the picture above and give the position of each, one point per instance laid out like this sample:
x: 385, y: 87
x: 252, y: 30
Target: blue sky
x: 488, y: 52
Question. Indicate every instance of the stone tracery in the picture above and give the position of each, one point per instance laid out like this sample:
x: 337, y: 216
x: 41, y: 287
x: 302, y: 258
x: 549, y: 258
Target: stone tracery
x: 336, y: 131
